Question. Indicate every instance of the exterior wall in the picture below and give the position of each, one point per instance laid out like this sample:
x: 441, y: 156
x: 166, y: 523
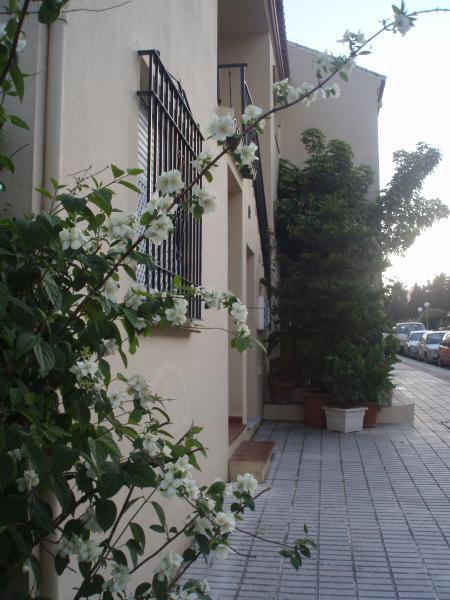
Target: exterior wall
x: 100, y: 73
x: 352, y: 117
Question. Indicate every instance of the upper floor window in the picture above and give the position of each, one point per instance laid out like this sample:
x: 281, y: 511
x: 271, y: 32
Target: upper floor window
x: 168, y: 138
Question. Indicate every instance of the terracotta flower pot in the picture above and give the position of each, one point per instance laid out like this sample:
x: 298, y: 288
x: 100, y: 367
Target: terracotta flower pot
x: 371, y: 414
x: 282, y: 391
x: 287, y: 366
x: 313, y: 402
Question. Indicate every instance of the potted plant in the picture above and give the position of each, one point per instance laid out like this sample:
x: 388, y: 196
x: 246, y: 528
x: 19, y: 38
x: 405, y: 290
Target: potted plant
x: 343, y: 378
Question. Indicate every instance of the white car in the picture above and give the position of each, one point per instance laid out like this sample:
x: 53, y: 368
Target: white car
x: 412, y: 343
x: 402, y: 331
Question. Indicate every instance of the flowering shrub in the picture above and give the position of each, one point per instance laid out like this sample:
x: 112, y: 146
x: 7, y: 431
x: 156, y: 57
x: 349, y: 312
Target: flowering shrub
x: 73, y: 434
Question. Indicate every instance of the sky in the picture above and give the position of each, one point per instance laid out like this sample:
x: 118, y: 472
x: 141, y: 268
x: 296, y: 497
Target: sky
x: 415, y: 102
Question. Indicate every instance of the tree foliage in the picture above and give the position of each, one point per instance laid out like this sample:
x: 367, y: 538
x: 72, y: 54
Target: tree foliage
x: 330, y: 260
x: 402, y: 211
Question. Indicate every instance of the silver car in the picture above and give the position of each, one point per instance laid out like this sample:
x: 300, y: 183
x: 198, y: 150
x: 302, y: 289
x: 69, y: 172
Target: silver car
x: 402, y: 331
x: 412, y: 343
x: 428, y: 346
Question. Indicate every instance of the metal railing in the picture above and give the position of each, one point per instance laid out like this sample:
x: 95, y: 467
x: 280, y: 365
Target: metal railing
x: 172, y: 140
x: 238, y: 95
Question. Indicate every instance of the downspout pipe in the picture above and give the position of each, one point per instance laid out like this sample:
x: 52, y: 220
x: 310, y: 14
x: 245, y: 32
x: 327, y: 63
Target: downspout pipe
x: 54, y: 110
x: 54, y: 105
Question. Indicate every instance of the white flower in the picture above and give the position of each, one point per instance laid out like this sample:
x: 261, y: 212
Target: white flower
x: 251, y: 114
x: 322, y: 64
x: 90, y: 473
x: 184, y: 595
x: 89, y: 551
x: 177, y: 314
x: 157, y: 202
x: 90, y: 520
x: 169, y: 485
x: 150, y: 444
x: 159, y: 229
x: 169, y: 563
x: 348, y: 36
x: 21, y: 44
x: 68, y: 546
x: 281, y: 89
x: 134, y: 298
x: 225, y: 522
x: 243, y: 330
x: 121, y: 226
x: 222, y: 128
x: 247, y: 154
x: 169, y: 182
x: 166, y: 451
x: 239, y: 312
x: 111, y: 288
x: 212, y: 297
x: 120, y: 578
x: 204, y: 586
x: 140, y: 323
x: 202, y: 160
x: 87, y: 367
x: 202, y: 526
x: 228, y: 491
x: 293, y: 94
x: 110, y: 346
x: 222, y: 551
x: 205, y: 198
x: 402, y: 23
x: 183, y: 465
x: 211, y: 504
x: 116, y: 399
x: 72, y: 238
x: 15, y: 454
x: 191, y: 488
x: 29, y: 480
x: 306, y: 88
x: 246, y: 483
x: 333, y: 91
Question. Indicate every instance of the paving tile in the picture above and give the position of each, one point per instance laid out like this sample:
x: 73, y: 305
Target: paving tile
x: 377, y: 502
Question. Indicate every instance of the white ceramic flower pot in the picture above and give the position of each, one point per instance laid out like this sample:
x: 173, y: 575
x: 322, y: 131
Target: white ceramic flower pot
x: 345, y: 420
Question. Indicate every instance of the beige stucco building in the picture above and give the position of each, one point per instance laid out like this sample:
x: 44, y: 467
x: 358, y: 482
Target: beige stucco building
x: 85, y: 112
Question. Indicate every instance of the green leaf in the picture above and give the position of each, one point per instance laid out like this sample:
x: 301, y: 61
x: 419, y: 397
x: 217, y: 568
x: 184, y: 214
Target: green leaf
x: 17, y: 122
x: 35, y: 455
x: 44, y: 356
x: 343, y: 75
x: 135, y: 171
x: 43, y: 192
x: 157, y: 528
x: 52, y: 290
x: 72, y: 204
x: 110, y: 483
x: 138, y: 534
x: 92, y: 586
x: 159, y: 588
x: 138, y: 474
x: 102, y: 199
x: 105, y: 513
x: 17, y: 79
x: 160, y: 513
x: 62, y: 491
x: 134, y: 550
x: 129, y: 185
x: 63, y: 458
x: 41, y: 513
x: 25, y: 342
x: 49, y: 11
x: 116, y: 171
x: 208, y: 176
x: 144, y: 259
x: 61, y: 563
x: 98, y: 264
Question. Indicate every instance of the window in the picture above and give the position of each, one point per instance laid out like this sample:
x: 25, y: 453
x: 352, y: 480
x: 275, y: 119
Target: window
x: 168, y: 138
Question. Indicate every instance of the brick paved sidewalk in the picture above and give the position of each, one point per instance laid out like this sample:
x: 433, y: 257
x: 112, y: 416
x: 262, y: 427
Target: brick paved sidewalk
x: 377, y: 503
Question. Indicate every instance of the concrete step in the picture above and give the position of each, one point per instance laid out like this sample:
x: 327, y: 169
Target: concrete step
x: 251, y: 457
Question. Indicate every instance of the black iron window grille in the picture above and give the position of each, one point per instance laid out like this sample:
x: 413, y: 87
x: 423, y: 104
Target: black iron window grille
x: 168, y: 138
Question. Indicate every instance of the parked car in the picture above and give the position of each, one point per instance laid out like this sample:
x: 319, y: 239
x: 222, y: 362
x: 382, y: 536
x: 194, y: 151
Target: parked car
x: 402, y: 331
x: 444, y: 351
x: 412, y: 342
x: 428, y: 346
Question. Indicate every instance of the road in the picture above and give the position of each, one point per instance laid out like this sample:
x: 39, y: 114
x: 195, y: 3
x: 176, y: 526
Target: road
x: 434, y: 370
